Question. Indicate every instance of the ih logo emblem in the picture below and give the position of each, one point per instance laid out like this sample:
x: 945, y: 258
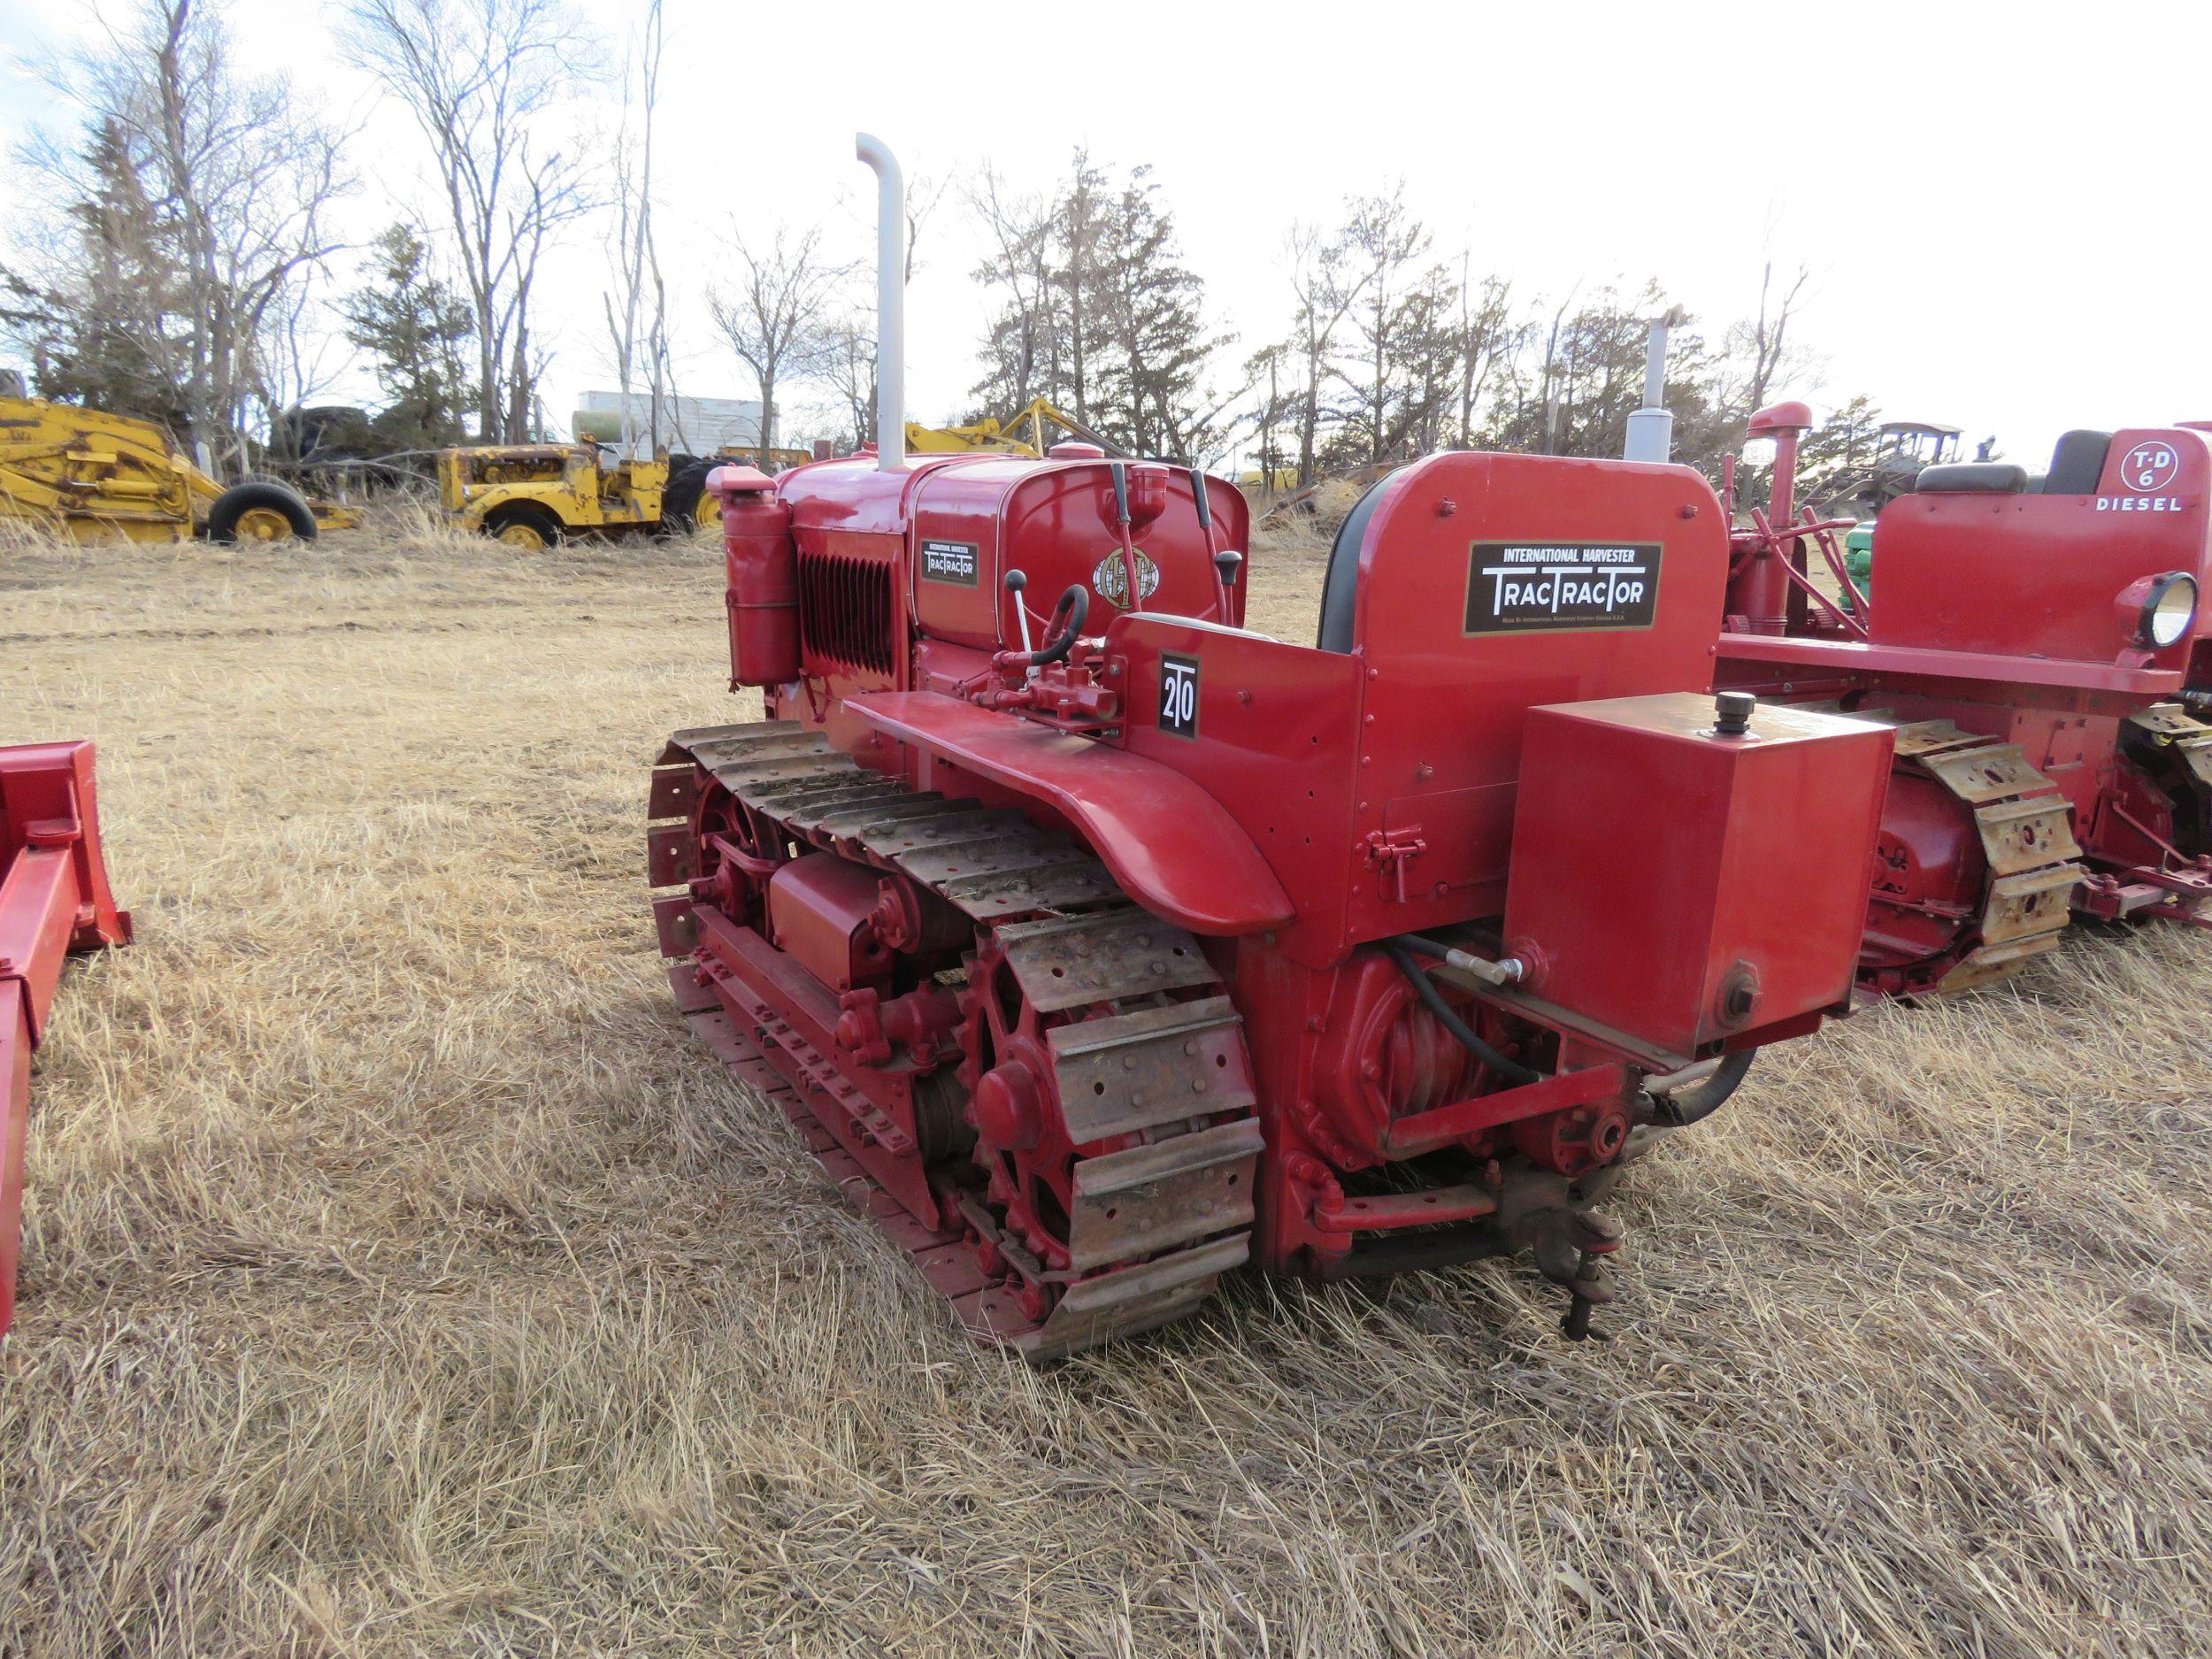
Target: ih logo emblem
x: 2149, y: 467
x: 1178, y: 694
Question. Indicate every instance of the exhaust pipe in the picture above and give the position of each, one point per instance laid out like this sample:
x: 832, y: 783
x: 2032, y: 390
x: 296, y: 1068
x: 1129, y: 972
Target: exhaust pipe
x: 890, y: 302
x: 1651, y: 428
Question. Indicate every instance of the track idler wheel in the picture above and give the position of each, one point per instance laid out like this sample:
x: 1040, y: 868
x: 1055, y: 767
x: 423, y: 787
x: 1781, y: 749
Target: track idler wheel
x: 1021, y: 1136
x: 1111, y: 1101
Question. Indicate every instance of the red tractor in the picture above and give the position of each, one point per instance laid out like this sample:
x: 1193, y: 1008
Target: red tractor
x: 1100, y: 946
x: 2032, y: 641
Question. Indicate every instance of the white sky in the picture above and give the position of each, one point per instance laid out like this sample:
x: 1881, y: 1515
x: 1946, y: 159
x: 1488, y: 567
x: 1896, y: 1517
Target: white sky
x: 1995, y: 200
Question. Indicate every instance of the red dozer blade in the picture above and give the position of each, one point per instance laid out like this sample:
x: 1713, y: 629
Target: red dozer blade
x: 54, y: 900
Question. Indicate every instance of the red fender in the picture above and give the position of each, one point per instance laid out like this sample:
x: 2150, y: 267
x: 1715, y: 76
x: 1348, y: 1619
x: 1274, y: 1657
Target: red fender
x: 1173, y: 848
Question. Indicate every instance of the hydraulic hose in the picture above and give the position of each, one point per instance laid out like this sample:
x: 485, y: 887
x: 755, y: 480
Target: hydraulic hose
x: 1432, y: 999
x: 1700, y: 1100
x: 1505, y: 972
x: 1076, y: 603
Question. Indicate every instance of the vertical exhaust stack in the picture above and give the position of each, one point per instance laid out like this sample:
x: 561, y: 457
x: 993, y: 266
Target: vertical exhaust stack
x: 890, y: 302
x: 1651, y: 428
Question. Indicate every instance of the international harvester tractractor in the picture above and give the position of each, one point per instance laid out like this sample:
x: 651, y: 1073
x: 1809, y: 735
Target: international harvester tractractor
x: 1099, y: 945
x: 2033, y: 641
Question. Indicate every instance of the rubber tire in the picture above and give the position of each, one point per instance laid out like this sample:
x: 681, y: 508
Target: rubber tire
x: 543, y: 520
x: 680, y: 502
x: 234, y: 502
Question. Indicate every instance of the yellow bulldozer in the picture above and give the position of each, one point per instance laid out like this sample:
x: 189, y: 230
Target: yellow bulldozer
x: 95, y: 476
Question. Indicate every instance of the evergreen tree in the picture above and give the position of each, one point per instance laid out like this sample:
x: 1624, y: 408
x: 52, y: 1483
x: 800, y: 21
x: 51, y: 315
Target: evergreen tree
x: 1151, y: 331
x: 417, y: 330
x: 110, y: 328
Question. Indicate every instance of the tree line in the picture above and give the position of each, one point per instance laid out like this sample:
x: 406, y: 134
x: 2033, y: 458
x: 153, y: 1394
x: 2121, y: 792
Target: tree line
x: 188, y: 275
x: 1388, y: 346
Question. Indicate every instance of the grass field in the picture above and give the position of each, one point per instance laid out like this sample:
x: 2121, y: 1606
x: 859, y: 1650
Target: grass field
x: 401, y: 1278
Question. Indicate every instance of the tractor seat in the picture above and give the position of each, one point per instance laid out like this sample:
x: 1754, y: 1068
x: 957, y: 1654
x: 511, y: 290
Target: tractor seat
x: 1972, y: 478
x: 1340, y: 585
x: 2077, y: 464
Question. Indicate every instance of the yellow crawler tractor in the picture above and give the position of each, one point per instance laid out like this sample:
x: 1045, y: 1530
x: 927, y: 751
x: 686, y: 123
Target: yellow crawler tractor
x: 95, y: 476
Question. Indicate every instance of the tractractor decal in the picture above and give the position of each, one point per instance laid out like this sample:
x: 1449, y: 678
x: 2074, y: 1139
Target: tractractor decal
x: 1521, y: 587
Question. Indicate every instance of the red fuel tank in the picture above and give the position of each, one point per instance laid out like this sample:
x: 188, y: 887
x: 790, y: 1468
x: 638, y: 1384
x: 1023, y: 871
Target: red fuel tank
x: 764, y: 578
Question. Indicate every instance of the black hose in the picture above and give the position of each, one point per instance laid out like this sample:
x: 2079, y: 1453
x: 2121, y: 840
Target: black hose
x: 1700, y: 1100
x: 1077, y: 603
x: 1432, y: 999
x: 1421, y: 947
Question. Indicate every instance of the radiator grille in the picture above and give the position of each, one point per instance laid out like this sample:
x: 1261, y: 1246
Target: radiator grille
x: 845, y: 611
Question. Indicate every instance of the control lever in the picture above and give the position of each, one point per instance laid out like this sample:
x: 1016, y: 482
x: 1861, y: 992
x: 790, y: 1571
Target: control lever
x: 1134, y: 597
x: 1014, y: 581
x: 1224, y: 561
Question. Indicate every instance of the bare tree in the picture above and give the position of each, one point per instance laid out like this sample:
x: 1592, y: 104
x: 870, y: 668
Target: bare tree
x: 638, y: 329
x: 1327, y: 288
x: 848, y: 362
x: 1762, y: 345
x: 225, y: 181
x: 1382, y: 241
x: 924, y: 197
x: 1024, y: 345
x: 1276, y: 408
x: 775, y: 317
x: 1487, y: 333
x: 483, y: 78
x: 1084, y: 222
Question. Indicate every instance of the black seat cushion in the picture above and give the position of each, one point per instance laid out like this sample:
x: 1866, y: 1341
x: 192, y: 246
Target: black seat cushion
x: 2077, y: 464
x: 1972, y: 478
x: 1340, y: 584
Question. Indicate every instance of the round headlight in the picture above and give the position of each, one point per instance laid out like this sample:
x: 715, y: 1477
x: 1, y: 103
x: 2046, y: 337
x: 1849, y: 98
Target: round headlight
x: 2168, y: 609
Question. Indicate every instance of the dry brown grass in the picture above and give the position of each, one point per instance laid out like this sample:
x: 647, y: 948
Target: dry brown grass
x: 403, y: 1280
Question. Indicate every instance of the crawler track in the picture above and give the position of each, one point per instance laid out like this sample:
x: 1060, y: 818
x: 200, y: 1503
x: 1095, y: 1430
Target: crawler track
x: 1147, y: 1068
x: 2026, y: 836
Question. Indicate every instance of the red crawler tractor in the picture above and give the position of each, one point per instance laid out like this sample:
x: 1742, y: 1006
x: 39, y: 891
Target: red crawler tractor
x: 54, y: 899
x: 2031, y: 640
x: 1102, y: 946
